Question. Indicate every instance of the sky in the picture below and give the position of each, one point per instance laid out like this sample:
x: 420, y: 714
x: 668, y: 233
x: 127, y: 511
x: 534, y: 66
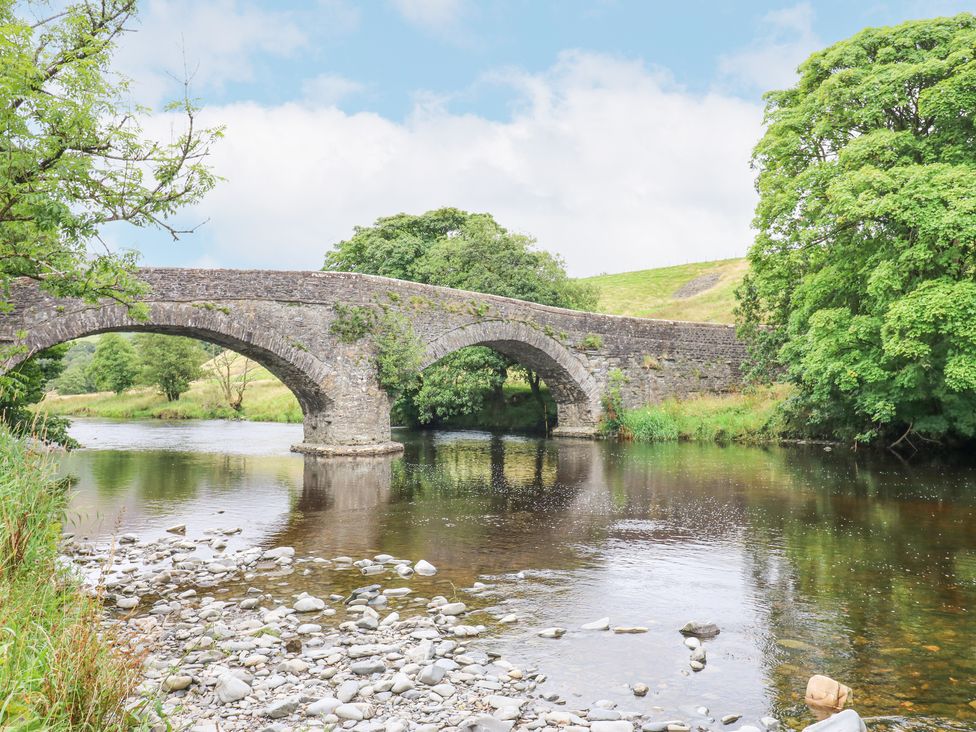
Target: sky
x: 617, y: 133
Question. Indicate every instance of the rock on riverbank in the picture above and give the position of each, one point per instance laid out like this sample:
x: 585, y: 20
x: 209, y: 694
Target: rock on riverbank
x: 377, y: 659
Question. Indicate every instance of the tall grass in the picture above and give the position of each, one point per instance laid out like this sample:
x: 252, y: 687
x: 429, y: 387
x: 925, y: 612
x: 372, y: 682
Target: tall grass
x: 752, y: 416
x: 60, y: 669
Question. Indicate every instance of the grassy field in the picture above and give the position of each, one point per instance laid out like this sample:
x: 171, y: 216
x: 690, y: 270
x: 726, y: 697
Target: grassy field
x: 650, y: 293
x: 266, y: 400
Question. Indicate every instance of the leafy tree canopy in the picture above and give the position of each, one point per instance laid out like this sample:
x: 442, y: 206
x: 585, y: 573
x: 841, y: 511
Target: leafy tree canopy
x: 72, y: 154
x: 454, y: 248
x: 169, y: 363
x: 863, y: 275
x: 114, y: 367
x: 467, y: 251
x: 73, y: 159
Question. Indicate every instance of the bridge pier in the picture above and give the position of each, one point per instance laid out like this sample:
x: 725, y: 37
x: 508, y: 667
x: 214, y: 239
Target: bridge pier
x: 576, y: 419
x: 355, y: 422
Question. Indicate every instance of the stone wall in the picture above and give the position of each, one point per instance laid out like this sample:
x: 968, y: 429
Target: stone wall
x: 283, y: 319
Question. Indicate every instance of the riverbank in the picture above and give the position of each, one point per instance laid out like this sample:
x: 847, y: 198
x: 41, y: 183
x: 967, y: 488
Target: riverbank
x: 59, y: 669
x: 268, y: 400
x: 752, y: 416
x: 228, y: 658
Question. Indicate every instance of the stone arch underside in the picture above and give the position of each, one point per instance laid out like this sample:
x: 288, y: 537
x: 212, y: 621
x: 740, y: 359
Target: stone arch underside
x: 573, y: 388
x: 301, y: 372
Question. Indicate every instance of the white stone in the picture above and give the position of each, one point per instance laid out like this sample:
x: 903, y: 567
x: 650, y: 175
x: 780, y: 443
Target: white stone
x: 845, y: 721
x: 425, y: 568
x: 308, y: 604
x: 616, y: 726
x: 231, y: 689
x: 601, y: 624
x: 552, y: 633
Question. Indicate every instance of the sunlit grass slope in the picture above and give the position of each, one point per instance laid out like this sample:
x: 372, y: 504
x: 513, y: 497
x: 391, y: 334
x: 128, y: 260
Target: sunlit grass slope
x: 651, y: 293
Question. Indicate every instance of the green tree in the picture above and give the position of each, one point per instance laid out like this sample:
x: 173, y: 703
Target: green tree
x: 73, y: 158
x: 75, y: 378
x: 169, y: 363
x: 862, y: 286
x: 468, y: 251
x: 24, y: 387
x: 114, y: 366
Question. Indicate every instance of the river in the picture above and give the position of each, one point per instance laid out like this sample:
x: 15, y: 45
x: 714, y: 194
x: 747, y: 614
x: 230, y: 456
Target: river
x: 857, y: 566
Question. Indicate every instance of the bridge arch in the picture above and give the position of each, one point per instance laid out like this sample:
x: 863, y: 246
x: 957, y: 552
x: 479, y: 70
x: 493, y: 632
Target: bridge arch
x: 573, y: 388
x: 304, y: 374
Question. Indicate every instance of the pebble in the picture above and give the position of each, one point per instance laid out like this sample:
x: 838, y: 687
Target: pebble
x: 231, y: 689
x: 308, y: 604
x: 176, y: 683
x: 326, y: 705
x: 731, y: 718
x: 702, y: 630
x: 281, y: 708
x: 620, y: 726
x: 247, y: 660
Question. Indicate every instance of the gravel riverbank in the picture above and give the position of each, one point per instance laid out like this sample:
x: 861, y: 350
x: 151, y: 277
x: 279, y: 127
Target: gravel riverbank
x: 223, y: 655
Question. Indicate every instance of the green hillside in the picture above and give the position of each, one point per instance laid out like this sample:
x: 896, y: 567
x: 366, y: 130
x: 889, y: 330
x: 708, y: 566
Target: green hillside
x: 703, y: 291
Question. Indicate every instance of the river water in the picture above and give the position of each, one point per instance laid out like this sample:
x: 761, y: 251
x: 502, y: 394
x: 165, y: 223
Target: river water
x: 859, y: 567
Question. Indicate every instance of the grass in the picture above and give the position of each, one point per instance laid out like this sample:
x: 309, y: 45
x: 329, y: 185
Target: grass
x: 266, y: 400
x: 60, y: 669
x: 750, y: 416
x: 649, y: 293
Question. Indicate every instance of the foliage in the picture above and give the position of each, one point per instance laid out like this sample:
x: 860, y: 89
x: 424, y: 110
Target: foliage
x: 76, y: 379
x: 467, y: 251
x: 863, y: 279
x: 399, y: 352
x: 351, y: 322
x: 613, y: 402
x: 59, y: 670
x: 24, y: 387
x: 753, y: 416
x: 592, y: 342
x: 72, y: 154
x: 460, y: 384
x: 73, y: 160
x: 114, y: 366
x: 169, y: 363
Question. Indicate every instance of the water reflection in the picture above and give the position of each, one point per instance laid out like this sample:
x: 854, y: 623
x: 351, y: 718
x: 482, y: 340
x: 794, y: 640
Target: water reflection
x: 811, y: 562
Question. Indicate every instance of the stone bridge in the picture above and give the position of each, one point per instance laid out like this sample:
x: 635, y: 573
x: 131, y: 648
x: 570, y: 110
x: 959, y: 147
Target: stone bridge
x: 284, y: 321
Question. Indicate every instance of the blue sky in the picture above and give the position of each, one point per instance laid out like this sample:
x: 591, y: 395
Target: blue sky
x: 617, y: 133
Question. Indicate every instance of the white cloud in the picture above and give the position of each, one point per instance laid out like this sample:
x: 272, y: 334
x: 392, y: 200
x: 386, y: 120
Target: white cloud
x: 439, y: 16
x: 219, y: 39
x: 605, y: 161
x: 329, y: 89
x: 770, y: 62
